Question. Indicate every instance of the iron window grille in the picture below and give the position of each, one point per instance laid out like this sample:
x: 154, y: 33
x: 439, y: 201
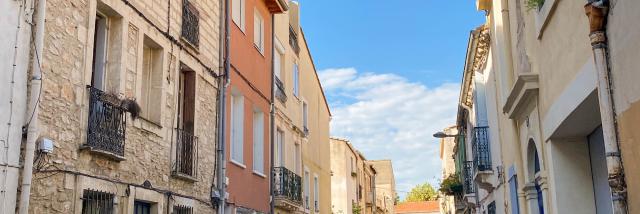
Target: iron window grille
x: 293, y: 40
x: 190, y: 23
x: 97, y: 202
x: 280, y: 91
x: 107, y: 123
x: 182, y: 209
x: 186, y: 154
x: 468, y: 177
x: 481, y: 150
x: 288, y: 185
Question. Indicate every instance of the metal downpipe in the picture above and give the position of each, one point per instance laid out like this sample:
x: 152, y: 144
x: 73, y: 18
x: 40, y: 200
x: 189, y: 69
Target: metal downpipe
x: 597, y: 12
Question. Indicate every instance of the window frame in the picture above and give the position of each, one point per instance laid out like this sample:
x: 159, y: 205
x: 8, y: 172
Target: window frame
x: 258, y: 142
x: 237, y: 130
x: 152, y: 84
x: 296, y: 80
x: 239, y: 6
x: 259, y: 31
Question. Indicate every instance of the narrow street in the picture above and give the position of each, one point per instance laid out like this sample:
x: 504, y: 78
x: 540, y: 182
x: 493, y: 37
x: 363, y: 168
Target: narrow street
x: 319, y: 107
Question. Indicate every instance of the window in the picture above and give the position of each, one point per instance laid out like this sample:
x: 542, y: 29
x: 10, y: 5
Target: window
x: 140, y: 207
x: 151, y: 81
x: 180, y: 209
x: 306, y: 190
x: 305, y: 117
x: 491, y: 209
x: 296, y: 81
x: 316, y: 194
x: 279, y: 156
x: 190, y: 23
x: 513, y: 194
x: 537, y: 185
x: 237, y: 126
x: 258, y: 141
x: 100, y: 52
x: 258, y: 31
x: 237, y: 7
x: 186, y: 142
x: 278, y: 59
x: 97, y: 202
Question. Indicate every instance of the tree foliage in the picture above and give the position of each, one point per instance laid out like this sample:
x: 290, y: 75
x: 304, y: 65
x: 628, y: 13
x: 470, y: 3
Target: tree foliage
x: 422, y: 192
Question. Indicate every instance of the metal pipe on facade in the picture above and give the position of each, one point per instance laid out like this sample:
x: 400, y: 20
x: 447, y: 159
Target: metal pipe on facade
x: 272, y: 118
x: 597, y: 11
x: 224, y: 81
x: 32, y: 132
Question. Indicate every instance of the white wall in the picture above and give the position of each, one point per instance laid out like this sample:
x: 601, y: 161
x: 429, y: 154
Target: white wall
x: 14, y: 44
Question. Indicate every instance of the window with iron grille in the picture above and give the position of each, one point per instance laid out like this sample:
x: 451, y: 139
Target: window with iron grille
x: 186, y: 142
x: 97, y: 202
x: 140, y: 207
x: 181, y: 209
x: 190, y: 23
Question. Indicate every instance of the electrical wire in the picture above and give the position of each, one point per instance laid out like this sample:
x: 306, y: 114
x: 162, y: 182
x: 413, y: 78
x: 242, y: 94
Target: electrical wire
x: 40, y: 89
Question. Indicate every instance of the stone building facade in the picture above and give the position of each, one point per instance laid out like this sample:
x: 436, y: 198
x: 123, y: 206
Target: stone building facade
x: 98, y: 58
x: 352, y: 181
x: 545, y: 108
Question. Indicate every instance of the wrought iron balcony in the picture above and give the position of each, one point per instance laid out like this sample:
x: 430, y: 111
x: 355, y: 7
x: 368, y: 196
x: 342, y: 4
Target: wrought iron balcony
x: 481, y: 150
x: 186, y: 154
x: 288, y: 188
x: 467, y: 177
x: 280, y: 91
x: 107, y: 124
x: 190, y: 23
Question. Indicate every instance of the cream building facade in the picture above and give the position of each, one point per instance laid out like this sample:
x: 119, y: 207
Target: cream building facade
x: 301, y: 145
x: 352, y: 180
x: 92, y: 149
x: 385, y: 185
x: 447, y: 148
x: 546, y: 108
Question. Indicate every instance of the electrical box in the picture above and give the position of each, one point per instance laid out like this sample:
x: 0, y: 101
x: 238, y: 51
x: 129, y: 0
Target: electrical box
x: 46, y: 145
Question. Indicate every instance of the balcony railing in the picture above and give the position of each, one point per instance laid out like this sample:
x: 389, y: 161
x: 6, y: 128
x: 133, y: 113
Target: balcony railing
x: 107, y: 124
x: 186, y: 154
x: 293, y: 40
x: 467, y: 177
x: 280, y: 92
x: 481, y: 150
x: 288, y: 185
x: 190, y: 23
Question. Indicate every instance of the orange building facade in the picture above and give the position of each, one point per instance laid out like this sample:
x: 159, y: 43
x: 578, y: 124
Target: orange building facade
x: 248, y: 105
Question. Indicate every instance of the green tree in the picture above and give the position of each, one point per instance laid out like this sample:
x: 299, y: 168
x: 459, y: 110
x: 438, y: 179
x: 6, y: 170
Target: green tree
x: 422, y: 192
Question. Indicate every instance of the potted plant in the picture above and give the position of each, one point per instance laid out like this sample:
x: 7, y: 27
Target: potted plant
x: 534, y: 4
x: 451, y: 185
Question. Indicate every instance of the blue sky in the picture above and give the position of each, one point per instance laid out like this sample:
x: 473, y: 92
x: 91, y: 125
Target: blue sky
x: 391, y: 73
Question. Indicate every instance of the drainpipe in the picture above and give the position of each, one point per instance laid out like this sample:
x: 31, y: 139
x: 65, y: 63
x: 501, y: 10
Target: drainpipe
x: 596, y: 11
x: 272, y: 119
x: 224, y: 83
x: 32, y: 132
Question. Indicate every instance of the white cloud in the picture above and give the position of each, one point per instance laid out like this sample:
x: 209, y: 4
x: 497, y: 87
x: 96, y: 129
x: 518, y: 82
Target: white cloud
x: 386, y: 116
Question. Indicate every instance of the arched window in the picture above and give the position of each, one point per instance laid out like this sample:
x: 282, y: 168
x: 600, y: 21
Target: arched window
x: 538, y: 189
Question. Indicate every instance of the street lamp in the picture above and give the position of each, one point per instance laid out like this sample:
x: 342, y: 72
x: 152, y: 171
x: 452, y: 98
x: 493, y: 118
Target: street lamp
x: 443, y: 135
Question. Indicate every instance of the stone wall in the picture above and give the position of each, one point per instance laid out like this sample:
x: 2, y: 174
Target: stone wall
x: 150, y: 147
